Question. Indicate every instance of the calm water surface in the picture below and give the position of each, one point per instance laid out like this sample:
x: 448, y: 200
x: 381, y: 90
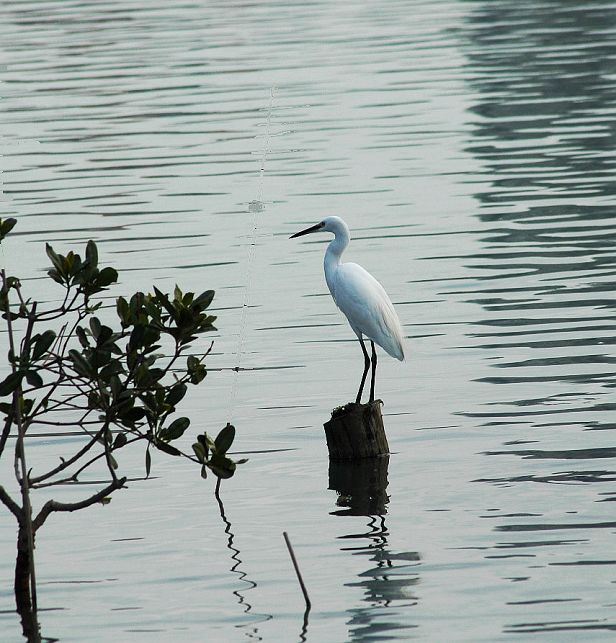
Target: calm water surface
x: 470, y: 147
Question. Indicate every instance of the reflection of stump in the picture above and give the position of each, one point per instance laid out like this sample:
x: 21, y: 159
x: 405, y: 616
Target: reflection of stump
x: 356, y: 431
x: 361, y: 486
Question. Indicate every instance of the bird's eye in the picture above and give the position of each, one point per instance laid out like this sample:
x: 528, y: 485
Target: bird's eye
x: 322, y: 224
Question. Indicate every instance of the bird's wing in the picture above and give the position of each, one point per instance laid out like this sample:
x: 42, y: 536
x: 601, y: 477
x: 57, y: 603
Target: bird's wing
x: 368, y: 308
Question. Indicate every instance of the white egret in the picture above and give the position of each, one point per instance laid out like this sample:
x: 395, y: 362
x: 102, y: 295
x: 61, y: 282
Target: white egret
x: 360, y: 297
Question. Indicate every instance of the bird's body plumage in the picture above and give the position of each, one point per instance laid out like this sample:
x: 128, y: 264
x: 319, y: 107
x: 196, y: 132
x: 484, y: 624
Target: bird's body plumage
x: 360, y: 297
x: 367, y: 307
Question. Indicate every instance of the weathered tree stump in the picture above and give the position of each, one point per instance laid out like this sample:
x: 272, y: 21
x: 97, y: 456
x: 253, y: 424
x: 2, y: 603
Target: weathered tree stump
x: 356, y: 431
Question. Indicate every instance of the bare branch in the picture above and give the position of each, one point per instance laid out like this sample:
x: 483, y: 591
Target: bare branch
x: 54, y: 483
x: 75, y: 476
x: 63, y: 309
x: 66, y: 402
x: 67, y: 463
x: 53, y: 505
x: 103, y: 454
x: 11, y: 505
x: 73, y: 423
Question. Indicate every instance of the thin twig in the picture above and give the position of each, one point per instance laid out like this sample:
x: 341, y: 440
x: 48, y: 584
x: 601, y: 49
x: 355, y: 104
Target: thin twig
x: 299, y: 574
x: 75, y: 476
x: 67, y: 463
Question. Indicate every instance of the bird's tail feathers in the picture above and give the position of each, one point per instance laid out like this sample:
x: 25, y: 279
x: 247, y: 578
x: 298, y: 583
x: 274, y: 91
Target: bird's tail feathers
x: 394, y: 344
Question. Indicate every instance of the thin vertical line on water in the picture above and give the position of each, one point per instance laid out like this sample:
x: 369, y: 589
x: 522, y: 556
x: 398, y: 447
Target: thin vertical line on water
x: 254, y: 207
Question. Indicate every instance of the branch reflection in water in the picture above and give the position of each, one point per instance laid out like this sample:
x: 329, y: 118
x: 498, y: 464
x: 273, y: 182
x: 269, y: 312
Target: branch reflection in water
x: 388, y: 585
x: 242, y: 575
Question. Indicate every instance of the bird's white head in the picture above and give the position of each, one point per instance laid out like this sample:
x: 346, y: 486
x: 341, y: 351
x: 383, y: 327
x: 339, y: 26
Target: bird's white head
x: 328, y: 224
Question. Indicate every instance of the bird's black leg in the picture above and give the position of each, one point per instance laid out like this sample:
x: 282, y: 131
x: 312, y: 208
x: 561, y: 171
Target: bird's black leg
x: 373, y: 371
x: 366, y: 367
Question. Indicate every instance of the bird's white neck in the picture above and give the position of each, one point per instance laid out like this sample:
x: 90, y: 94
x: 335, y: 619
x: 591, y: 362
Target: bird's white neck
x: 333, y: 254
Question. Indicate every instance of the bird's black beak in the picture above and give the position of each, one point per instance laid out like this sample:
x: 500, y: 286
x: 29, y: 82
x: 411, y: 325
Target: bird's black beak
x: 314, y: 228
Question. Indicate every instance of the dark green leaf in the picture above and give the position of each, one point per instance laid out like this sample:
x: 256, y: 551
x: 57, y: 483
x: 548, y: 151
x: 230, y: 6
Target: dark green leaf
x: 176, y: 394
x: 199, y: 451
x: 136, y: 303
x: 10, y: 383
x: 26, y: 405
x: 192, y: 362
x: 115, y: 384
x: 163, y: 300
x: 167, y: 448
x: 206, y: 323
x: 185, y: 318
x: 43, y: 344
x: 177, y: 294
x: 7, y: 409
x: 132, y: 415
x: 123, y: 310
x: 160, y: 397
x: 91, y: 254
x: 136, y: 337
x: 81, y: 365
x: 116, y: 350
x: 71, y: 263
x: 110, y: 372
x: 207, y: 442
x: 176, y: 429
x: 187, y: 299
x: 34, y: 379
x: 197, y: 373
x: 95, y: 326
x: 94, y: 400
x: 204, y: 299
x: 150, y: 336
x: 225, y: 439
x: 120, y: 440
x: 148, y: 462
x: 142, y: 376
x: 204, y: 472
x: 241, y: 461
x: 6, y: 225
x: 82, y: 336
x: 106, y: 277
x: 55, y: 260
x: 56, y: 276
x: 104, y: 335
x: 221, y: 466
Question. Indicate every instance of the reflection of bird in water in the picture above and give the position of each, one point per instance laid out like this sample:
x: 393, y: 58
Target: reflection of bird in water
x: 235, y: 568
x: 389, y: 582
x: 361, y: 298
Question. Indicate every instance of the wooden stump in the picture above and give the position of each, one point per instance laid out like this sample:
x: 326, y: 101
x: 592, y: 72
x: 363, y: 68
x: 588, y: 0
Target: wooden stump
x: 356, y: 431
